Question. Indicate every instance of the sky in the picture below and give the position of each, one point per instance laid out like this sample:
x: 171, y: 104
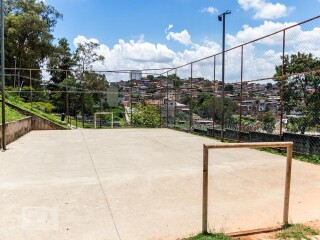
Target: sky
x: 136, y: 34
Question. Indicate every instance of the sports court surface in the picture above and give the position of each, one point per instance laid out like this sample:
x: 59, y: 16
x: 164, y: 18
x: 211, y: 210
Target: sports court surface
x: 142, y: 184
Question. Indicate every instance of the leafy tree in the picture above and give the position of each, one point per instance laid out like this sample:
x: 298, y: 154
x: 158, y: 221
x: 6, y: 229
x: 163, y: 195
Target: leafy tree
x: 269, y: 121
x: 86, y: 54
x: 28, y: 32
x: 269, y: 86
x: 229, y: 88
x: 302, y: 87
x: 59, y: 63
x: 150, y: 77
x: 62, y: 59
x: 146, y: 116
x: 207, y: 83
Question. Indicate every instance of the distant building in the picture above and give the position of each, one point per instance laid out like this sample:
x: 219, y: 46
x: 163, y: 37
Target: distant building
x: 136, y: 75
x: 112, y: 96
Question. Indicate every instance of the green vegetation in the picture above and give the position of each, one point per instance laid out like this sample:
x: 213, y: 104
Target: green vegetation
x: 209, y: 236
x: 12, y: 115
x: 146, y: 116
x: 16, y: 101
x: 297, y: 95
x: 297, y: 232
x: 314, y: 159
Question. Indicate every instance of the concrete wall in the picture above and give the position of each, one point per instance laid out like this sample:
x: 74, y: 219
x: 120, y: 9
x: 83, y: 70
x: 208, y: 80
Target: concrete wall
x: 16, y: 129
x: 301, y: 143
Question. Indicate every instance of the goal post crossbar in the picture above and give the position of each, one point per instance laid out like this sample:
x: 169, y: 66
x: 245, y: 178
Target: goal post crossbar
x: 102, y: 113
x: 206, y: 148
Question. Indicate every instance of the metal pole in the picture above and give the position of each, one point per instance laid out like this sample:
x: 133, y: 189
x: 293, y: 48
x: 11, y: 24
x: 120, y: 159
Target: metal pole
x: 167, y: 102
x: 31, y: 95
x: 222, y: 18
x: 82, y: 108
x: 214, y: 91
x: 175, y: 100
x: 241, y: 92
x: 223, y: 65
x: 100, y: 109
x: 131, y: 99
x: 15, y: 71
x: 190, y: 105
x: 282, y: 82
x: 4, y: 147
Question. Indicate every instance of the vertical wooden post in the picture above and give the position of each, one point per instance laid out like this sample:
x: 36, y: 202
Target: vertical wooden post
x: 287, y: 186
x: 95, y: 120
x: 205, y: 190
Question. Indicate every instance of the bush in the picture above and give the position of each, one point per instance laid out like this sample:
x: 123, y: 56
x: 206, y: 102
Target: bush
x: 43, y: 106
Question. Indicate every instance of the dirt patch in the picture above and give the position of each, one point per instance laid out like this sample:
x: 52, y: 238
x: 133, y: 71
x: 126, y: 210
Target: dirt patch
x: 272, y: 235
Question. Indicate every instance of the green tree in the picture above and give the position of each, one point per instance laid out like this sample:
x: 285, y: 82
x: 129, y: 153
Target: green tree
x: 60, y: 62
x: 150, y: 77
x: 268, y: 122
x: 29, y: 25
x: 86, y: 54
x: 61, y: 59
x: 146, y: 116
x: 302, y: 88
x: 229, y: 88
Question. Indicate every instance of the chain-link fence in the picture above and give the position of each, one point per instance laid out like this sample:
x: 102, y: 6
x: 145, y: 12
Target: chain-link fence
x: 270, y: 93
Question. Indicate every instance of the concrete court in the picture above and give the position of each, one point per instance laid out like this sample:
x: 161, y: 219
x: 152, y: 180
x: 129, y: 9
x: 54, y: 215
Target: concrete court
x: 142, y: 184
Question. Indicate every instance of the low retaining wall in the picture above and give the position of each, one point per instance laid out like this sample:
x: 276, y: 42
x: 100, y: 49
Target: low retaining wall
x: 16, y: 129
x: 301, y: 143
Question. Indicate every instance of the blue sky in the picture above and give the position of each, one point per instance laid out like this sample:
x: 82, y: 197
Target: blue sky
x: 109, y: 21
x: 148, y: 33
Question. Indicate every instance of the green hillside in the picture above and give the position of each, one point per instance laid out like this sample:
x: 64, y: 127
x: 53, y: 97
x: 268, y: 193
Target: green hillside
x: 17, y: 102
x: 11, y: 114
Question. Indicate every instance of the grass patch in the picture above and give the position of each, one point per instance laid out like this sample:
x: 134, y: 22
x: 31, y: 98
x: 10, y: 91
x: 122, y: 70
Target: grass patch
x: 297, y: 232
x: 314, y: 159
x: 12, y: 115
x: 27, y: 107
x: 209, y: 236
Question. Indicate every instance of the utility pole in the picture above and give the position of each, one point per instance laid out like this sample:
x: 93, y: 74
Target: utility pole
x: 222, y: 18
x: 4, y: 147
x: 15, y: 71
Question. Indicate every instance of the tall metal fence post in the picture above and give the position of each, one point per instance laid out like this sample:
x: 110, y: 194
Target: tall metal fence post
x: 191, y: 96
x: 3, y: 80
x: 131, y: 92
x: 175, y: 99
x: 167, y: 101
x: 241, y: 92
x: 160, y: 102
x: 282, y: 83
x: 31, y: 95
x: 214, y: 94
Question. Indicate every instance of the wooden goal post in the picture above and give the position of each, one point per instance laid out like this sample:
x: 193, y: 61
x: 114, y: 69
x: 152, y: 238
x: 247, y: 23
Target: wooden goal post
x: 102, y: 113
x: 288, y: 145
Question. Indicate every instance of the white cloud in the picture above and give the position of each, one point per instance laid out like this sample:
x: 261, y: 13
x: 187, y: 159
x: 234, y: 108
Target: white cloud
x: 168, y: 28
x: 260, y: 58
x: 181, y: 37
x: 210, y: 10
x: 82, y: 40
x: 264, y: 9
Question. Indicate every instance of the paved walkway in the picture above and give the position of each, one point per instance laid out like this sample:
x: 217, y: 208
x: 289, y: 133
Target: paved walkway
x: 141, y: 184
